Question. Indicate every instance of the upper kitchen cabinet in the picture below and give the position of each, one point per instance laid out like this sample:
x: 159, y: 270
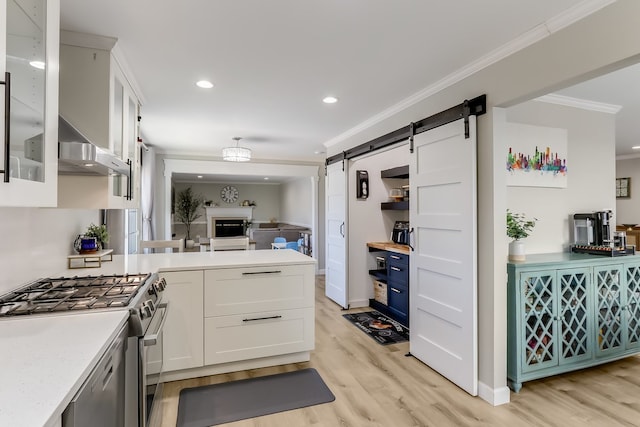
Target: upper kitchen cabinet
x: 29, y: 65
x: 98, y: 98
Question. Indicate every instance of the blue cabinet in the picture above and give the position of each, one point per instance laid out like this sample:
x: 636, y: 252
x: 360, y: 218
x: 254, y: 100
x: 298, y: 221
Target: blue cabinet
x: 396, y: 277
x: 570, y: 311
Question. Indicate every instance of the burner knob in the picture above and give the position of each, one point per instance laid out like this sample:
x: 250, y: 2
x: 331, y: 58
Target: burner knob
x: 147, y: 309
x: 152, y: 289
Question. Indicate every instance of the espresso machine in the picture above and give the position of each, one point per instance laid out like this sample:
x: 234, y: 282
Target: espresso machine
x: 593, y: 234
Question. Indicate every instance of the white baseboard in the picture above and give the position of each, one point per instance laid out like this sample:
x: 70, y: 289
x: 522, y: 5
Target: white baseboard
x: 495, y: 397
x: 320, y: 272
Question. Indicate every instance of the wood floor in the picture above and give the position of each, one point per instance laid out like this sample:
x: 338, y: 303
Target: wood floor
x: 377, y: 385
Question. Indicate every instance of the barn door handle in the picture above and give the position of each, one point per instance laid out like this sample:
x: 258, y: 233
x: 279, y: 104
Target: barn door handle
x: 409, y: 240
x: 342, y: 229
x: 7, y: 125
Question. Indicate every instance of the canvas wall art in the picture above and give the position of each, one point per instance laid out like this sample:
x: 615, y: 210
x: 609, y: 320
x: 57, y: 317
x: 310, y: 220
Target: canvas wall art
x: 536, y: 156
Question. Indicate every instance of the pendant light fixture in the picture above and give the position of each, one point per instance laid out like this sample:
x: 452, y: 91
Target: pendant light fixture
x: 237, y: 153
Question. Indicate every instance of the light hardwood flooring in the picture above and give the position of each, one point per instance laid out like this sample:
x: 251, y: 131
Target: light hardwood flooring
x: 378, y: 385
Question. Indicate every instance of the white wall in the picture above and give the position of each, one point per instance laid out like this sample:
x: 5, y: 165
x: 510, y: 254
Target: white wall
x: 600, y: 43
x: 367, y: 223
x: 296, y: 204
x: 628, y: 210
x: 590, y: 177
x: 36, y: 242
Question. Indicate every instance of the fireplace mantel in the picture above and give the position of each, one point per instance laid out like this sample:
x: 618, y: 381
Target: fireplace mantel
x: 245, y: 212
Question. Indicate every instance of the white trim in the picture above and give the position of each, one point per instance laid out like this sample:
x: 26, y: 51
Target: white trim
x: 118, y: 56
x: 358, y: 303
x: 91, y: 41
x: 320, y: 272
x: 583, y: 104
x: 628, y: 156
x: 528, y: 38
x: 495, y: 397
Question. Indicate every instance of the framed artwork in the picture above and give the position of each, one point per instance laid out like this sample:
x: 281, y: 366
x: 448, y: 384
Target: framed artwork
x: 623, y: 188
x: 362, y: 189
x: 536, y: 156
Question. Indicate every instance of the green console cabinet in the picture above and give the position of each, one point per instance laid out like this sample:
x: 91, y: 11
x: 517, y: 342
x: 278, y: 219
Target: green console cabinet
x: 570, y: 311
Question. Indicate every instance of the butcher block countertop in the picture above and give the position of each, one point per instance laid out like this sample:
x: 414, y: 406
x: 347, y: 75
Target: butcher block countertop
x: 389, y: 246
x: 44, y: 360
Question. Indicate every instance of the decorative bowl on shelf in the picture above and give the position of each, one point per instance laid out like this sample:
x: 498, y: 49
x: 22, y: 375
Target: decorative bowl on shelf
x: 629, y: 226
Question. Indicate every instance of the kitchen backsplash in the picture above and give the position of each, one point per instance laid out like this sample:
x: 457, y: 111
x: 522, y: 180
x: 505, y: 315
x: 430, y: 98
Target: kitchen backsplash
x: 36, y: 242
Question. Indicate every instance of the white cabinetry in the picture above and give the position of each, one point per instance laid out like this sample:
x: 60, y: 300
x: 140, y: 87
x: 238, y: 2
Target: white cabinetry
x: 97, y: 98
x: 29, y: 45
x: 257, y: 312
x: 229, y: 319
x: 182, y: 333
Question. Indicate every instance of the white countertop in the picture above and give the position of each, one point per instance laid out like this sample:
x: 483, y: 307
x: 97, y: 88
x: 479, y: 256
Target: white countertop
x: 45, y: 359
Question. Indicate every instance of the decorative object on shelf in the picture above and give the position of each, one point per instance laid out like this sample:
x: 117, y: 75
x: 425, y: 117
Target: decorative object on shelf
x: 396, y: 194
x: 93, y: 240
x: 237, y: 153
x: 188, y: 207
x: 362, y: 185
x: 518, y: 227
x: 623, y: 188
x: 229, y: 194
x: 629, y: 227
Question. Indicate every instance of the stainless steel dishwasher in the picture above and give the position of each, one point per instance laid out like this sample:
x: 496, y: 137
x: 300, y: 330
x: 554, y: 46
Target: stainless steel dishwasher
x: 100, y: 400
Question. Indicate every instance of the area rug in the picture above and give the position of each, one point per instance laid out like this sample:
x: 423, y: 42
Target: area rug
x: 238, y: 400
x: 379, y: 327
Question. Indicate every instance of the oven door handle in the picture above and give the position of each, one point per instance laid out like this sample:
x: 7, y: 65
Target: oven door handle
x: 152, y: 339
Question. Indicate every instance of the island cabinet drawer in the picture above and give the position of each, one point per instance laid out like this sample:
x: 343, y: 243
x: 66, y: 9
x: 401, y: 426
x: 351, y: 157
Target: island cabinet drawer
x: 262, y: 334
x: 253, y: 289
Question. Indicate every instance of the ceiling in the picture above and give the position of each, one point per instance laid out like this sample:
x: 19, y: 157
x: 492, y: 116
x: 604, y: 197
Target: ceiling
x: 272, y: 62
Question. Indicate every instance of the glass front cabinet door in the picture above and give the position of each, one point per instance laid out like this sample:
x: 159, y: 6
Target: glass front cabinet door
x: 29, y: 48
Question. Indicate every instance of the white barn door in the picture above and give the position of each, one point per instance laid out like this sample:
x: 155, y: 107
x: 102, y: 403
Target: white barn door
x: 443, y: 269
x: 336, y: 231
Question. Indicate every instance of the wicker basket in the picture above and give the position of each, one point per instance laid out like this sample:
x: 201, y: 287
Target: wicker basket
x: 380, y: 292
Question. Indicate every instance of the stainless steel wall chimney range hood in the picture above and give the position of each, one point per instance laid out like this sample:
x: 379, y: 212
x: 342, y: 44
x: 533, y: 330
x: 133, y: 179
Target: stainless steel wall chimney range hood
x: 78, y: 156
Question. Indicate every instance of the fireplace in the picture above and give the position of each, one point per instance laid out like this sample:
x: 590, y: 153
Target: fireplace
x: 234, y: 214
x: 229, y: 227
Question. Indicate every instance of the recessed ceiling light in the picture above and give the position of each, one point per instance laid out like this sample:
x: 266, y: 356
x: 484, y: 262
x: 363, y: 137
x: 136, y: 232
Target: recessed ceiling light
x: 636, y: 147
x: 266, y: 178
x: 37, y: 64
x: 318, y: 152
x: 330, y: 100
x: 205, y: 84
x: 199, y: 176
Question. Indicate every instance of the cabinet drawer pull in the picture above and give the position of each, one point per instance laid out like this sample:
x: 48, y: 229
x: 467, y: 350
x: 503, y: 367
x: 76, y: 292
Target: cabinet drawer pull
x: 396, y: 269
x: 249, y: 273
x: 394, y: 257
x: 262, y: 318
x: 396, y: 291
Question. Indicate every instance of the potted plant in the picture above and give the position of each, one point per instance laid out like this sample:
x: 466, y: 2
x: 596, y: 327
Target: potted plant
x: 518, y: 227
x: 100, y: 233
x: 188, y: 207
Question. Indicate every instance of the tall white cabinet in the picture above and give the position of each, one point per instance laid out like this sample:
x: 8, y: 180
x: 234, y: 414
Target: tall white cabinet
x: 99, y: 99
x: 29, y: 47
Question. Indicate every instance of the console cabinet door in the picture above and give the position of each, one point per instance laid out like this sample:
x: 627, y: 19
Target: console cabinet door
x: 575, y: 336
x: 609, y: 289
x: 632, y: 306
x: 538, y: 327
x: 183, y: 332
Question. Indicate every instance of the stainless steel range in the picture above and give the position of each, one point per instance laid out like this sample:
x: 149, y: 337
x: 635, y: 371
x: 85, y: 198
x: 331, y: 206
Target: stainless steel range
x: 141, y: 295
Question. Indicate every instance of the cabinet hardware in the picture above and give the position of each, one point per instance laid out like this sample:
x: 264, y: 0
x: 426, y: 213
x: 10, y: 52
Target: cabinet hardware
x: 396, y: 291
x: 7, y: 126
x: 262, y: 318
x: 395, y: 269
x: 394, y: 256
x: 248, y: 273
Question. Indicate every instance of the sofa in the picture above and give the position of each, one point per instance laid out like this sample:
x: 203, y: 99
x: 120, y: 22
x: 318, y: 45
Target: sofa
x: 266, y: 232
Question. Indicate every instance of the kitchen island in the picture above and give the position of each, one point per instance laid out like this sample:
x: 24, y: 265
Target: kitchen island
x: 45, y: 359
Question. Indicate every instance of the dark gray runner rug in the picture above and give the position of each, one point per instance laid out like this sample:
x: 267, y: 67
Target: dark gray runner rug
x: 237, y: 400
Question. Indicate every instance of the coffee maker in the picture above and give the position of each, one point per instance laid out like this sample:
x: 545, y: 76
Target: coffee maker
x: 592, y: 229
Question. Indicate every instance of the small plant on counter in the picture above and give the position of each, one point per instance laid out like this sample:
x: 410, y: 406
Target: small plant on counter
x: 188, y: 209
x: 518, y: 226
x: 99, y: 232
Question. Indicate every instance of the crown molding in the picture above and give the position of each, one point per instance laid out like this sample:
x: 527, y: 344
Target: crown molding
x: 628, y: 156
x: 583, y: 104
x: 526, y: 39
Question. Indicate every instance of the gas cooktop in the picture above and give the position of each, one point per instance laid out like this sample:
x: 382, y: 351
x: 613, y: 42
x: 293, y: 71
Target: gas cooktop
x: 66, y: 294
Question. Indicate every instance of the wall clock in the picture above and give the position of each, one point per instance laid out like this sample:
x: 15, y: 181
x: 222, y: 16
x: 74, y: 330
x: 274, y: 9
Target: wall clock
x: 229, y: 194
